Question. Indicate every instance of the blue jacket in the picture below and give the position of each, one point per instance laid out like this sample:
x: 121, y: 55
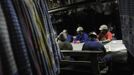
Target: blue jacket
x: 93, y: 45
x: 82, y: 37
x: 69, y: 38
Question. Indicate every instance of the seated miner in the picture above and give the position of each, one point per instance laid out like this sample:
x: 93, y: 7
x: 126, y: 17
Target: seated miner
x: 105, y: 35
x: 93, y: 43
x: 81, y: 36
x: 69, y: 37
x: 63, y: 44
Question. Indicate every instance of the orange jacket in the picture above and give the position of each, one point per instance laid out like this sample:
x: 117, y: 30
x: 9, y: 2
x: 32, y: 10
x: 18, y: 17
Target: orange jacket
x: 107, y: 36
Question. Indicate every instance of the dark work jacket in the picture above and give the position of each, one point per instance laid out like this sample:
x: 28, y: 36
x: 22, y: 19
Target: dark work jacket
x: 82, y: 37
x: 69, y: 38
x: 93, y: 45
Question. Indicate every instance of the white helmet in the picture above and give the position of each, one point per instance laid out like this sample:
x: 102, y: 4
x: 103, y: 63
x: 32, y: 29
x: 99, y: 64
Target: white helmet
x: 102, y: 27
x: 93, y: 33
x: 79, y: 29
x: 64, y: 31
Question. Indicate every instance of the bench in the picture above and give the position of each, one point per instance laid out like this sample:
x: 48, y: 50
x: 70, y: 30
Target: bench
x: 91, y: 59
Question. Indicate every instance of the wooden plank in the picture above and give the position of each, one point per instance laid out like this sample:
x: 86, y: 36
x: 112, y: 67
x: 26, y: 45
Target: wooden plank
x: 68, y: 7
x: 84, y: 51
x: 75, y: 62
x: 80, y: 53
